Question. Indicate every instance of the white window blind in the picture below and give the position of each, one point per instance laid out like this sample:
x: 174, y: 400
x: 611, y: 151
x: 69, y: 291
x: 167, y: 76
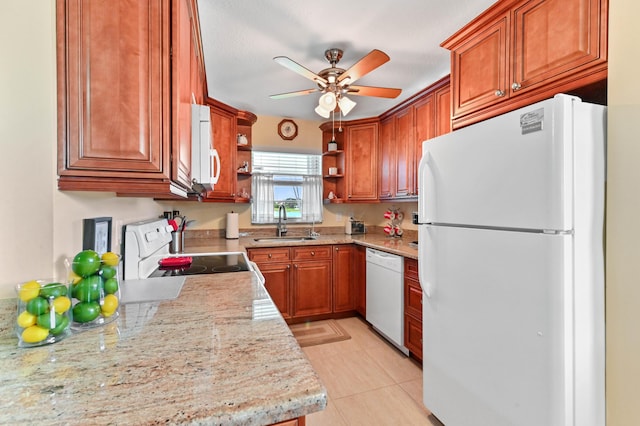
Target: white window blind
x: 279, y: 163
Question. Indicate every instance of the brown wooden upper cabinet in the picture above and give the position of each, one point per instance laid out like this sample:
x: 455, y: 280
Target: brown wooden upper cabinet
x: 521, y: 51
x: 119, y: 87
x: 224, y: 123
x: 402, y: 131
x: 362, y: 161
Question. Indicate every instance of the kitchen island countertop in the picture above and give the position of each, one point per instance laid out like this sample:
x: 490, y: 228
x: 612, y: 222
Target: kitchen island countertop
x: 218, y: 354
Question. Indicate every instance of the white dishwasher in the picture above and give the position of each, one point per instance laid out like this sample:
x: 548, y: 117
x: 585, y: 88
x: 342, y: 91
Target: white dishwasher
x: 385, y: 296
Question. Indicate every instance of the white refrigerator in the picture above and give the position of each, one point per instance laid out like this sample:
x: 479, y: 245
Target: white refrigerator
x: 512, y: 271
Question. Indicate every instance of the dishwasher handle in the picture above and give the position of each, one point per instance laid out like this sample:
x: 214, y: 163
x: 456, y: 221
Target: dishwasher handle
x: 384, y: 259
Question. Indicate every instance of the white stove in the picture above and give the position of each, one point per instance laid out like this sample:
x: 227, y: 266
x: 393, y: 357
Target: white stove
x: 149, y: 264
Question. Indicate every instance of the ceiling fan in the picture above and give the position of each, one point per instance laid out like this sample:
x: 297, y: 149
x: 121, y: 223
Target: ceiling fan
x: 335, y: 83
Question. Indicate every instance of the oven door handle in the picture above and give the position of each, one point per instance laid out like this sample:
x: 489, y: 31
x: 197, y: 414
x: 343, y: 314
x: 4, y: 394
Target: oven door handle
x: 256, y: 270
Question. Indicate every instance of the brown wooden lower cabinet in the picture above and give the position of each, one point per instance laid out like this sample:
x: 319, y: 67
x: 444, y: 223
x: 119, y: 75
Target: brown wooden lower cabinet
x: 309, y: 281
x: 300, y: 421
x: 277, y: 278
x: 360, y: 279
x: 312, y: 293
x: 344, y: 296
x: 413, y: 335
x: 412, y: 308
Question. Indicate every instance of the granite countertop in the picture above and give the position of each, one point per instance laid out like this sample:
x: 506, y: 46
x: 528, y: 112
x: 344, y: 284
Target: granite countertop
x: 218, y: 354
x: 399, y: 246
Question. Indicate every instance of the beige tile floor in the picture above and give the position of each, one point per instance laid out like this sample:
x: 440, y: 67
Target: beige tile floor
x: 369, y: 382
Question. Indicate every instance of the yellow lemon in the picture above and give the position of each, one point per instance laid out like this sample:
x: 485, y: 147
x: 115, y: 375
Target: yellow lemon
x: 109, y: 305
x: 110, y: 258
x: 61, y: 304
x: 26, y: 319
x: 74, y: 278
x: 29, y: 290
x: 34, y: 334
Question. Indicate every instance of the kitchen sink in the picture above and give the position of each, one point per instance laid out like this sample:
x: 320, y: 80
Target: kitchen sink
x: 276, y: 239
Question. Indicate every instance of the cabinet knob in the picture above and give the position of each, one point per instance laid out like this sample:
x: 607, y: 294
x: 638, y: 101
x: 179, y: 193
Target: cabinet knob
x: 515, y: 87
x: 288, y: 266
x: 295, y: 266
x: 500, y: 93
x: 313, y: 253
x: 269, y: 255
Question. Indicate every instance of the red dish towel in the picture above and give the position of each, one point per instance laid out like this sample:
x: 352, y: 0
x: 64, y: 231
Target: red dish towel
x: 175, y: 261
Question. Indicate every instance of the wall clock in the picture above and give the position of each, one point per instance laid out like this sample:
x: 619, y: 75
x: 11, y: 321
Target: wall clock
x: 287, y: 129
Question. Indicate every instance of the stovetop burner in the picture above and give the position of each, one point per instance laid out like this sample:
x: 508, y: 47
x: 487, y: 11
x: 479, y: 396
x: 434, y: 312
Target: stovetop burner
x: 228, y: 268
x: 207, y: 264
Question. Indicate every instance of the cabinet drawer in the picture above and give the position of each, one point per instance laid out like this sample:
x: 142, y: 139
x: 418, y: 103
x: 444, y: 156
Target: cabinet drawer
x: 272, y: 254
x: 311, y: 253
x: 411, y: 268
x: 413, y: 298
x: 413, y: 335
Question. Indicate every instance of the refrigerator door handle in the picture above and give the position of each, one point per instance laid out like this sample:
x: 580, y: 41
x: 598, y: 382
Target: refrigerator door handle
x: 423, y: 169
x: 425, y: 270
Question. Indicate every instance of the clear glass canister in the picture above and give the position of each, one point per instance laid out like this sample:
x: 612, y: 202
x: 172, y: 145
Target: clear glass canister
x: 44, y: 312
x: 94, y: 287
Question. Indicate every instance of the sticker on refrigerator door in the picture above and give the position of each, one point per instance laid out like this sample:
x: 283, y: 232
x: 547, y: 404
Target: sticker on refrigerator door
x: 532, y: 121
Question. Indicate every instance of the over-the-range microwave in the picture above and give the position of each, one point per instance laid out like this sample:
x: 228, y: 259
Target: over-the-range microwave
x: 205, y: 161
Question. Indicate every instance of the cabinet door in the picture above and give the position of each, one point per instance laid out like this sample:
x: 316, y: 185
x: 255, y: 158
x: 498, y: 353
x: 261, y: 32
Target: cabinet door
x: 424, y: 130
x: 404, y: 153
x: 224, y: 141
x: 277, y: 278
x: 113, y: 97
x: 360, y: 279
x: 387, y: 153
x: 362, y: 181
x: 183, y: 46
x: 312, y: 288
x: 344, y: 298
x: 479, y: 69
x: 413, y: 298
x: 413, y: 335
x: 553, y: 37
x: 443, y: 112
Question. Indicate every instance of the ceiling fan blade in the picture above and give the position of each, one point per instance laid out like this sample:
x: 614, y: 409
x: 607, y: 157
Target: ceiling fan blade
x: 292, y: 94
x: 368, y: 63
x: 297, y: 68
x: 380, y: 92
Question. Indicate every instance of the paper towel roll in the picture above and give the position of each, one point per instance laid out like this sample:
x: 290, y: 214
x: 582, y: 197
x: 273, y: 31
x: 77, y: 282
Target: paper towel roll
x: 232, y: 226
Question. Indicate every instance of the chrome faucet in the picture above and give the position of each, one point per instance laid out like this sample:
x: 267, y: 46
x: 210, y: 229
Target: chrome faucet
x: 282, y: 215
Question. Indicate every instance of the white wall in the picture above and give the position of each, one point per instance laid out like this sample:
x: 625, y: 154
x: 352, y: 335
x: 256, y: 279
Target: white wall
x: 42, y: 225
x: 28, y: 140
x: 623, y: 217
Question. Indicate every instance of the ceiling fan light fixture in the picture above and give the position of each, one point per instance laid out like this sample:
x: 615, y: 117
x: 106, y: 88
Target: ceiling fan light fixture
x: 322, y: 112
x: 328, y: 101
x: 346, y: 105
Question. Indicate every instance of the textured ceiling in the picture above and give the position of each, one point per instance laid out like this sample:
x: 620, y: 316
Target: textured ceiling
x: 241, y: 37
